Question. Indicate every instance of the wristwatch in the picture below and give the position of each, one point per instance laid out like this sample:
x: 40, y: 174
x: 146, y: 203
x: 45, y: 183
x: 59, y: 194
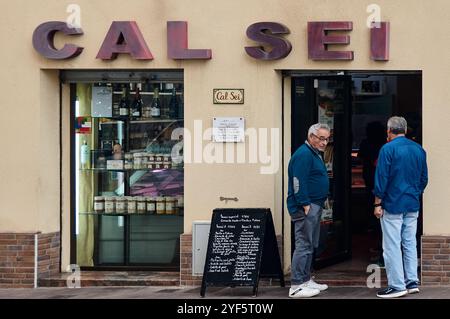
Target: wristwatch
x: 377, y: 205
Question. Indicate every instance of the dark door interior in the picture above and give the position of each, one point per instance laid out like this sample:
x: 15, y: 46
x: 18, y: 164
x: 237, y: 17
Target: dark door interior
x: 326, y: 99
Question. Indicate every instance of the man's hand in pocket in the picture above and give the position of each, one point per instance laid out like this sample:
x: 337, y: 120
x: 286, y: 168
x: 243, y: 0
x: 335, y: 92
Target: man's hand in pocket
x: 306, y: 209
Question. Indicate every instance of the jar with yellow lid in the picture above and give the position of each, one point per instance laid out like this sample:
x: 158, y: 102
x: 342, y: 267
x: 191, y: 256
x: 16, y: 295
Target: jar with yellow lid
x: 170, y: 205
x: 160, y: 205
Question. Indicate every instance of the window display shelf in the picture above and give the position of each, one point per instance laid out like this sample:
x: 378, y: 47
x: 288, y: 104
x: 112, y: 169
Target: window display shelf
x: 116, y: 120
x: 156, y: 121
x: 131, y: 170
x: 132, y: 214
x: 146, y: 93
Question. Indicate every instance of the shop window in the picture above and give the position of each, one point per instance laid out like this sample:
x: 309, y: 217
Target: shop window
x: 129, y: 184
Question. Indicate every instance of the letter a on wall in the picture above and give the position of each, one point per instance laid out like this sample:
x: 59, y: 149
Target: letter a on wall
x: 124, y: 37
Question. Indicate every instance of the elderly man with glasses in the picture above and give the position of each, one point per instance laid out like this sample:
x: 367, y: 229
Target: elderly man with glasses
x: 308, y: 187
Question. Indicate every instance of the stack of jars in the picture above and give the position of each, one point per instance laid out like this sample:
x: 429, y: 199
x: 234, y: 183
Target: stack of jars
x: 144, y: 160
x: 139, y: 161
x: 159, y: 161
x: 168, y: 205
x: 99, y: 204
x: 160, y: 205
x: 128, y: 161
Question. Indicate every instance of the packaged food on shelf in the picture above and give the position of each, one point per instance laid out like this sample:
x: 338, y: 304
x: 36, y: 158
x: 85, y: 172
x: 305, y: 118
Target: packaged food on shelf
x: 144, y: 160
x: 110, y: 205
x: 99, y: 204
x: 137, y: 161
x: 121, y: 205
x: 167, y: 165
x: 141, y: 205
x: 160, y: 205
x: 151, y: 205
x: 170, y: 205
x: 128, y: 164
x: 131, y: 204
x: 114, y: 164
x: 180, y: 205
x: 180, y: 201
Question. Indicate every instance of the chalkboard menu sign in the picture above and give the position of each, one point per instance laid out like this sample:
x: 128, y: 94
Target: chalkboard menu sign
x: 242, y: 247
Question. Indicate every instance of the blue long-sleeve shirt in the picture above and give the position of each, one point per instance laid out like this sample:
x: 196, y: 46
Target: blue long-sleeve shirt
x: 401, y: 175
x: 307, y: 179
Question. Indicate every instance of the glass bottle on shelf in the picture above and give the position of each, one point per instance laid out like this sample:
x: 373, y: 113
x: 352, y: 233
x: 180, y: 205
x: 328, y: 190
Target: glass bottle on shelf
x: 136, y: 107
x: 173, y: 104
x: 156, y: 104
x: 180, y: 105
x: 85, y: 153
x: 146, y: 108
x: 124, y: 107
x: 115, y: 109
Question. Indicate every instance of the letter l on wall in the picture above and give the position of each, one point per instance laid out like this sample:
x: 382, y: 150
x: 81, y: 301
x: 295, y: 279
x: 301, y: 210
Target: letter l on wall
x: 177, y: 43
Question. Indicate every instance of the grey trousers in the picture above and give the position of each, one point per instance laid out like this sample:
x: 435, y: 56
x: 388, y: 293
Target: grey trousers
x: 307, y: 233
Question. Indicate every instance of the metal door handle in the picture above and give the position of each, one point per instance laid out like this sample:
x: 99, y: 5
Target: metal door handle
x: 226, y: 199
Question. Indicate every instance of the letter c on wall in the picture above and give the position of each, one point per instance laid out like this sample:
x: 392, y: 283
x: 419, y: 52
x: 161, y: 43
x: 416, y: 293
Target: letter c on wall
x: 257, y: 32
x: 43, y: 37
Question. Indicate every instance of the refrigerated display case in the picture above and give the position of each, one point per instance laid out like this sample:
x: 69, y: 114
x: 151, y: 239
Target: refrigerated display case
x: 129, y: 184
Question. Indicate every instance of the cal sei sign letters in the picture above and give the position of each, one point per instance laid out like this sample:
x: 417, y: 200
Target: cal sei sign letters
x: 124, y: 37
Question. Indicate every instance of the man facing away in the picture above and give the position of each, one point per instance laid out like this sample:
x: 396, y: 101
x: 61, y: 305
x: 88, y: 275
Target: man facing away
x: 400, y: 178
x: 308, y: 187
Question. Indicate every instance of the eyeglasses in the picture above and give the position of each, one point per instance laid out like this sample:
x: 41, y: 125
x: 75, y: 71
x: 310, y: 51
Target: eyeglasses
x: 321, y: 138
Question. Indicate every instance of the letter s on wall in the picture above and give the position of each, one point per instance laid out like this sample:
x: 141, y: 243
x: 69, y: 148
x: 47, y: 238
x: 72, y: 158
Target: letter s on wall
x: 257, y: 32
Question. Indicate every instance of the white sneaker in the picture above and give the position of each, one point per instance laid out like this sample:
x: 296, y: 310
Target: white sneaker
x: 312, y: 284
x: 302, y: 291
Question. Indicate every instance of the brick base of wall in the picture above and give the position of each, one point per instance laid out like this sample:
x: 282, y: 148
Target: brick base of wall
x: 186, y: 277
x: 435, y: 261
x: 17, y: 256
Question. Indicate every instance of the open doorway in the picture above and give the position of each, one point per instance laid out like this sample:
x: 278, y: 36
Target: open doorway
x: 356, y: 105
x: 375, y: 98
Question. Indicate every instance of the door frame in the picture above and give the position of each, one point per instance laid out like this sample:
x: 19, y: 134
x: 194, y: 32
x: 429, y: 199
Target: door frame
x: 287, y: 103
x: 307, y: 96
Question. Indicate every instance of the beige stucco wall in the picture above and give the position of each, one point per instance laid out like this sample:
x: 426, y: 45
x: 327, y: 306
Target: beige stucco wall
x: 29, y: 169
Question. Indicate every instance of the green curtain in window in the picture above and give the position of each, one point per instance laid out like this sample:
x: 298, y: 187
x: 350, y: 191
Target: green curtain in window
x: 85, y: 238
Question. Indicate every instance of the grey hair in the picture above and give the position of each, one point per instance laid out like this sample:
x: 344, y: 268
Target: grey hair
x: 397, y: 125
x: 314, y: 129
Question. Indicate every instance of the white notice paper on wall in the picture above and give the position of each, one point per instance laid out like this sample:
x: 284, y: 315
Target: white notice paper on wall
x: 101, y: 101
x: 228, y: 129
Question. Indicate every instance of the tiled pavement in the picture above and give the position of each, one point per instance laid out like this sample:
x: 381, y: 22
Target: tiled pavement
x: 176, y: 292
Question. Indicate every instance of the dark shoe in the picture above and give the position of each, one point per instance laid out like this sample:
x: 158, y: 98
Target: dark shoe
x: 412, y: 288
x: 391, y: 293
